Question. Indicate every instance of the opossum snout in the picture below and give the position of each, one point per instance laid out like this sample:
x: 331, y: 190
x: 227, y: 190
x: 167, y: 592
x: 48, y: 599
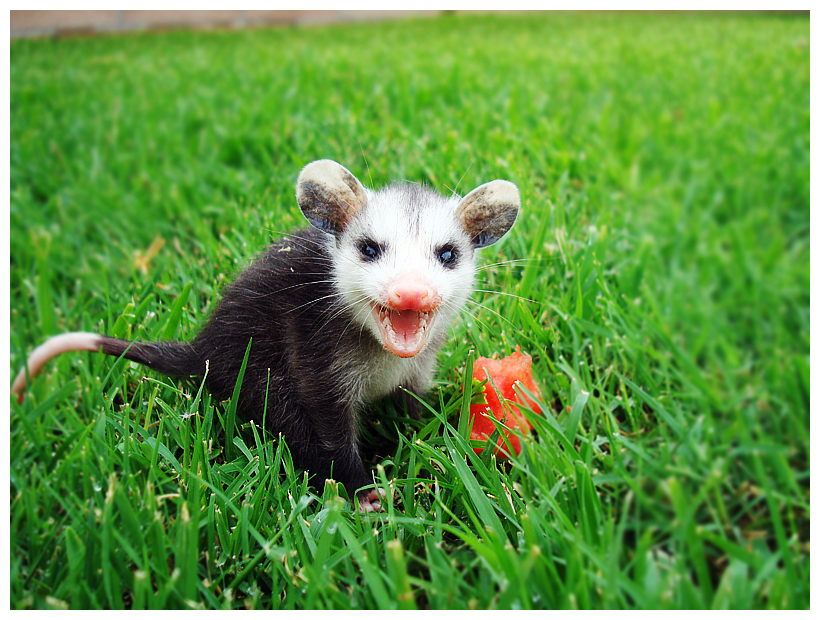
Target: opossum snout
x: 412, y: 294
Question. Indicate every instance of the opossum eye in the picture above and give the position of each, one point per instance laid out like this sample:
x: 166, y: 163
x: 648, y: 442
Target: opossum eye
x: 447, y: 255
x: 369, y: 249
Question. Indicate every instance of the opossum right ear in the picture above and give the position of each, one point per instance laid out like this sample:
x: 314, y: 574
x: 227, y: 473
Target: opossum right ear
x: 489, y: 211
x: 329, y: 195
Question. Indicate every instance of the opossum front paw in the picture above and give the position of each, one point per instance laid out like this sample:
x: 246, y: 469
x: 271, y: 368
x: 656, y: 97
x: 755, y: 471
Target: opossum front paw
x: 370, y: 500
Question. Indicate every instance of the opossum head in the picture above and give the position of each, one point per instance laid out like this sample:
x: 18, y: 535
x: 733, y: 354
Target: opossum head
x: 403, y: 256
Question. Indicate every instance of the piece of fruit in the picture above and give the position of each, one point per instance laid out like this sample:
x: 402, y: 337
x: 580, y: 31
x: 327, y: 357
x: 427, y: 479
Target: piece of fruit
x: 505, y: 373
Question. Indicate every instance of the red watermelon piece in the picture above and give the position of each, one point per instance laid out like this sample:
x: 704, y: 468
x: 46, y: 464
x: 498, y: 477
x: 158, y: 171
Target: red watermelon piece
x: 505, y: 373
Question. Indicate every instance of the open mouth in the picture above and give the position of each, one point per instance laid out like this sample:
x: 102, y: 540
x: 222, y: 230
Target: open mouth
x: 404, y: 332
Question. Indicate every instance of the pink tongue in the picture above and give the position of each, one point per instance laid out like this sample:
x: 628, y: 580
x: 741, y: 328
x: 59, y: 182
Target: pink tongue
x: 406, y: 323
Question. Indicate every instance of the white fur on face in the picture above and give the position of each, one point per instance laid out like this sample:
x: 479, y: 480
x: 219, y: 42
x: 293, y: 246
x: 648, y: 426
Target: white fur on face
x: 410, y: 225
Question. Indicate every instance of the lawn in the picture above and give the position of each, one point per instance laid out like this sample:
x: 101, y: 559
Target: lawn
x: 658, y: 274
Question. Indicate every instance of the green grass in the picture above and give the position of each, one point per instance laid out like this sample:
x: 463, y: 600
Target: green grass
x: 663, y: 162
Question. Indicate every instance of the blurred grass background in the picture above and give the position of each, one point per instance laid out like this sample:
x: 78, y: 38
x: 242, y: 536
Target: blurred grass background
x: 663, y: 161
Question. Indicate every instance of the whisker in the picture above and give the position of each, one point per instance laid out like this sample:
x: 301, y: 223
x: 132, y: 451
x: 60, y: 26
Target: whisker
x: 260, y: 295
x: 481, y: 290
x: 485, y: 326
x: 455, y: 191
x: 514, y: 261
x: 339, y: 310
x: 500, y: 316
x: 311, y: 302
x: 370, y: 176
x: 356, y: 321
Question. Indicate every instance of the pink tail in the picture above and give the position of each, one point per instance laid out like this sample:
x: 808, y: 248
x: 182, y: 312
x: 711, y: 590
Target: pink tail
x: 73, y: 341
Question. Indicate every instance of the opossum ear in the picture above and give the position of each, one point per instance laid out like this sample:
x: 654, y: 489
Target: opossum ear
x: 489, y: 211
x: 329, y: 195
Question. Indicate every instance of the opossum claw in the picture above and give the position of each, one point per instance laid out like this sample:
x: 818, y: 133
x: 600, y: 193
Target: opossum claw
x: 371, y: 500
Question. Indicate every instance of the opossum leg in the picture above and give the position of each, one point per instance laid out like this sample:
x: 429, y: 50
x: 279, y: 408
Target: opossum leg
x: 348, y: 468
x: 329, y: 451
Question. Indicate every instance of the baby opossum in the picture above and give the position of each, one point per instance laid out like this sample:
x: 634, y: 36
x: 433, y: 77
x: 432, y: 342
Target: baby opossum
x: 351, y: 310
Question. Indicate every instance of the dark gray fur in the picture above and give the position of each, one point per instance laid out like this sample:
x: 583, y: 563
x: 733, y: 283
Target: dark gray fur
x: 286, y: 304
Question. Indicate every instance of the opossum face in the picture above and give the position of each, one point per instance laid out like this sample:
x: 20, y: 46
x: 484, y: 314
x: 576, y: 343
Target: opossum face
x: 405, y: 266
x: 404, y: 256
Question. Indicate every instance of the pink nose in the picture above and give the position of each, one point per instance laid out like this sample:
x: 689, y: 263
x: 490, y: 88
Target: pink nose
x: 412, y: 294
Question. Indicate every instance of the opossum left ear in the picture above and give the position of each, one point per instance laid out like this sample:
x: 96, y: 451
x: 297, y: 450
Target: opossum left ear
x: 329, y: 195
x: 489, y: 211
